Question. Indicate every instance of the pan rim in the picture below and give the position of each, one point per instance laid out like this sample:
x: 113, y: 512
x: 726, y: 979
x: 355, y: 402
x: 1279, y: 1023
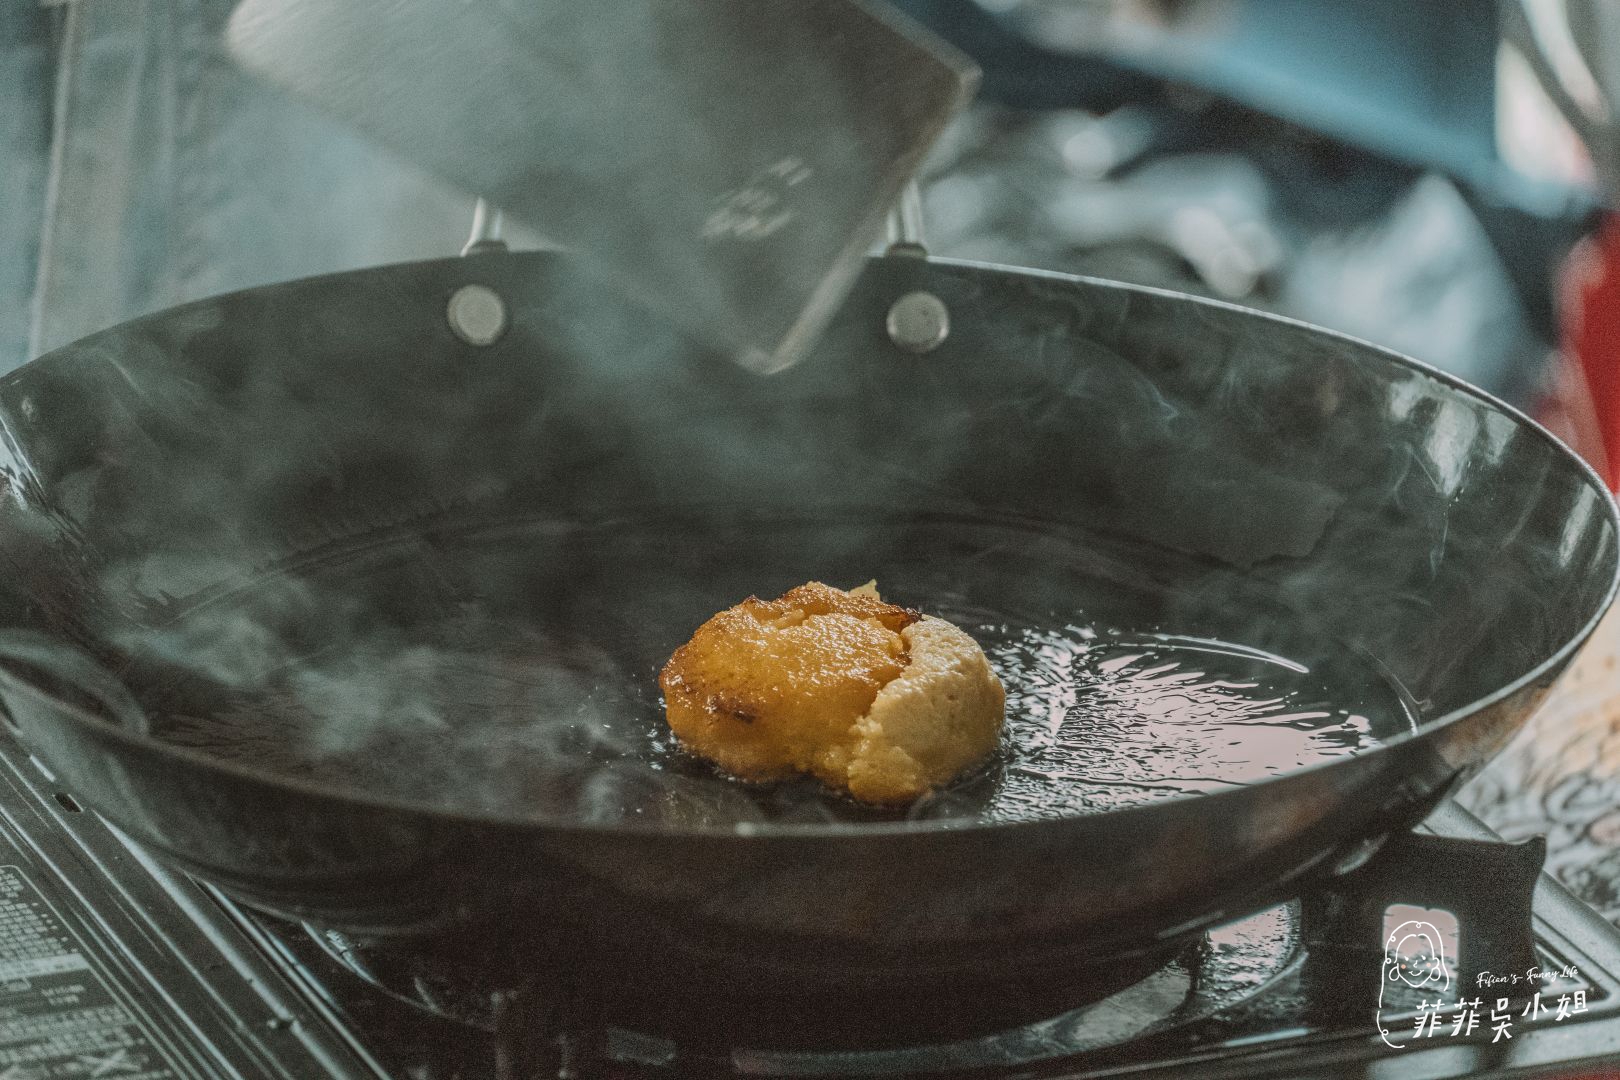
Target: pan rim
x: 746, y: 832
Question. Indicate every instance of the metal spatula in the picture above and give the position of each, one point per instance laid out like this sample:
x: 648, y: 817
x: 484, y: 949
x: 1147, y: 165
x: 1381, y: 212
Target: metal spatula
x: 726, y: 162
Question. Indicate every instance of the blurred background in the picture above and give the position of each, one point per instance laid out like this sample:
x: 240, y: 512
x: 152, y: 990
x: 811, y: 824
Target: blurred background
x: 1393, y: 170
x: 1389, y: 169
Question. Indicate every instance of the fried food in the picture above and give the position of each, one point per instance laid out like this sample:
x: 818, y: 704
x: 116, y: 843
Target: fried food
x: 877, y: 700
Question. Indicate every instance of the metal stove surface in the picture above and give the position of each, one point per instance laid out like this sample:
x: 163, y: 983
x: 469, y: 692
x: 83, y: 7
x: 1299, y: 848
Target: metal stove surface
x: 111, y: 966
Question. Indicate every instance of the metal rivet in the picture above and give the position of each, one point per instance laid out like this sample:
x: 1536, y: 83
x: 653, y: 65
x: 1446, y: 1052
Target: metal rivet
x: 919, y: 322
x: 477, y: 314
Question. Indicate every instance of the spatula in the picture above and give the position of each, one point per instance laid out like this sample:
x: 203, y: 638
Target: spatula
x: 725, y: 162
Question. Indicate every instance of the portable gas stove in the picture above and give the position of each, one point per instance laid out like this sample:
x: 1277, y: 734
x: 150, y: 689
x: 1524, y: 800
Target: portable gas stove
x: 111, y: 966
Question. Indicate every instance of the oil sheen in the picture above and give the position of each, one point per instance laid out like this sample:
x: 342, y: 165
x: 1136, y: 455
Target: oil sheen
x: 1098, y: 719
x: 511, y: 671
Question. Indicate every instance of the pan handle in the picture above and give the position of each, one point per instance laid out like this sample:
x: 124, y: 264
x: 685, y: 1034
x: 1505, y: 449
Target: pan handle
x: 486, y: 230
x: 905, y: 223
x: 24, y: 651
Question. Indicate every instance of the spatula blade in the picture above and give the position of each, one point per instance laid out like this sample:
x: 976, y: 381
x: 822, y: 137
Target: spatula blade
x: 725, y: 162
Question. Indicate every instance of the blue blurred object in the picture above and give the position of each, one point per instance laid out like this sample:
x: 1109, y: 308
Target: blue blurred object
x: 1412, y: 82
x: 1022, y: 74
x: 1334, y: 161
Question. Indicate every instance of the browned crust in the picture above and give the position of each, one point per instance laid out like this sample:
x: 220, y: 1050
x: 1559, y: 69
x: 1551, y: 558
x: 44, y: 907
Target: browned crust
x: 762, y: 658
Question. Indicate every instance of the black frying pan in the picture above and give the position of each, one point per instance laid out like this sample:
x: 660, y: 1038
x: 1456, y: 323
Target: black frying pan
x: 368, y: 619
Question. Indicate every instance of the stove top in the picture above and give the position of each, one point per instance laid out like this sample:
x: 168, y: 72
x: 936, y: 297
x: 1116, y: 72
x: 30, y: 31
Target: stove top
x: 1418, y: 966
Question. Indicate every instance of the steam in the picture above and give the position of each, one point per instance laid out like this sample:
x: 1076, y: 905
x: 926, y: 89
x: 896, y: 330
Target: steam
x: 723, y: 164
x: 324, y: 537
x: 463, y: 712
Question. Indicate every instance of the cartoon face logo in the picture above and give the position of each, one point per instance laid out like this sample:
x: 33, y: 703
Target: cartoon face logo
x: 1416, y: 955
x: 1416, y: 949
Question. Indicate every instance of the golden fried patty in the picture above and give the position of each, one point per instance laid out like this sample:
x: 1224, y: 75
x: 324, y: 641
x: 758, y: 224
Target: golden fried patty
x: 875, y: 699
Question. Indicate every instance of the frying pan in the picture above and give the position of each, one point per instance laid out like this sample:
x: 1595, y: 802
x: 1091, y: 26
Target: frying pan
x: 323, y: 476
